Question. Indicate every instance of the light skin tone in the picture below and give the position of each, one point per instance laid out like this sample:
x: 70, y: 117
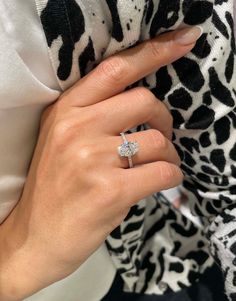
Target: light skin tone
x: 78, y: 188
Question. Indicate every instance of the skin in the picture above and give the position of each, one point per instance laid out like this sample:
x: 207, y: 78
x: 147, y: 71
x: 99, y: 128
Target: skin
x: 78, y: 188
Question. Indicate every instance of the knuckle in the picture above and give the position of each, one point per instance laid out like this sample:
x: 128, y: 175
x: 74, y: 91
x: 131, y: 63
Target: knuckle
x: 145, y: 95
x: 171, y: 174
x: 167, y: 173
x: 114, y: 69
x: 155, y: 49
x: 158, y: 140
x: 147, y: 100
x: 109, y: 189
x: 85, y: 155
x: 62, y: 133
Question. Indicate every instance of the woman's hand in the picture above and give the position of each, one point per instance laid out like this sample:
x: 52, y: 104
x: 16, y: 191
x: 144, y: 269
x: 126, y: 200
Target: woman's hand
x: 78, y: 188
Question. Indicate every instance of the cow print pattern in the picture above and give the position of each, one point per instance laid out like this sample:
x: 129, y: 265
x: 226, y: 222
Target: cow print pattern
x: 156, y: 244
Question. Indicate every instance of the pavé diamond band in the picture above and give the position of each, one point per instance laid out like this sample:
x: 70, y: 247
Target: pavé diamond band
x: 128, y: 149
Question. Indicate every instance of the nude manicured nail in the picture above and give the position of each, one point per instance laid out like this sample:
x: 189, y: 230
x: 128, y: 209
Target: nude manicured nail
x: 188, y: 35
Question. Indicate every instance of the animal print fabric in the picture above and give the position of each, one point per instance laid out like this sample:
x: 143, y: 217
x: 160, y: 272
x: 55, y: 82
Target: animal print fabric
x: 157, y: 250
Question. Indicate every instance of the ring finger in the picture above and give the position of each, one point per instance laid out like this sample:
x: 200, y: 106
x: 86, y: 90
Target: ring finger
x: 153, y: 146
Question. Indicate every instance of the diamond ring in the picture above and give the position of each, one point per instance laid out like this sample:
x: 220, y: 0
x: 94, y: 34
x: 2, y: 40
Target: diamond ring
x: 128, y: 149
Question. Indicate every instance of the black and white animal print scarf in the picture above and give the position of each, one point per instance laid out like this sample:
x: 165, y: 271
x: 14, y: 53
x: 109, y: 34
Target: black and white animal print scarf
x: 156, y: 249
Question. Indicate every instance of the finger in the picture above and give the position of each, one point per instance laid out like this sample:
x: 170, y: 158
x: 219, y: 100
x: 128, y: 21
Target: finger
x: 131, y: 108
x: 117, y: 72
x: 153, y: 146
x: 147, y: 179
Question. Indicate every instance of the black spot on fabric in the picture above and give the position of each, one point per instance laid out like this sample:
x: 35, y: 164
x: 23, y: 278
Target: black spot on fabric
x: 233, y: 171
x: 181, y: 285
x: 219, y: 2
x: 233, y: 248
x: 221, y: 181
x: 156, y: 227
x: 216, y: 203
x: 186, y: 5
x: 163, y: 83
x: 229, y: 67
x: 185, y: 232
x: 222, y: 130
x: 150, y: 268
x: 205, y: 139
x: 199, y: 256
x: 230, y: 21
x: 200, y: 244
x: 186, y: 169
x: 177, y: 246
x: 210, y: 209
x: 204, y: 159
x: 190, y: 144
x: 203, y: 177
x: 234, y: 280
x: 176, y: 267
x: 232, y: 233
x: 65, y: 19
x: 232, y: 153
x: 218, y: 159
x: 218, y: 90
x: 117, y: 31
x: 198, y: 12
x: 149, y: 11
x: 230, y: 61
x: 225, y: 199
x: 232, y: 189
x: 220, y: 25
x: 180, y: 99
x: 88, y: 55
x: 132, y: 227
x: 173, y: 136
x: 189, y: 73
x: 117, y: 250
x: 134, y: 211
x: 207, y: 100
x: 155, y: 209
x: 209, y: 170
x: 116, y: 233
x: 179, y: 151
x: 178, y: 119
x: 202, y: 48
x: 188, y: 159
x: 201, y: 118
x: 162, y: 17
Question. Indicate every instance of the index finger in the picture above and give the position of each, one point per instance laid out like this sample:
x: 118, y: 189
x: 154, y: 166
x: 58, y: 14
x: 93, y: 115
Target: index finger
x: 117, y: 72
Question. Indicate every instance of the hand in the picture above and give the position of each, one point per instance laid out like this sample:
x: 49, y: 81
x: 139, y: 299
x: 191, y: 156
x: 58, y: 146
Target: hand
x: 78, y: 188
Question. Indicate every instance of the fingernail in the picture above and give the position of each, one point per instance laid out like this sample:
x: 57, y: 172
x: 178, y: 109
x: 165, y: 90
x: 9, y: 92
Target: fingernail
x: 188, y: 35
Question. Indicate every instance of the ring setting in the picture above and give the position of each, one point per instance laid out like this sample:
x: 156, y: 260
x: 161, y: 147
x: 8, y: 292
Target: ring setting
x: 128, y: 149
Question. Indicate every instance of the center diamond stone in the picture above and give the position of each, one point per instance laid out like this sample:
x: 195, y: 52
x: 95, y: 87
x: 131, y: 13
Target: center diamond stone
x: 128, y: 149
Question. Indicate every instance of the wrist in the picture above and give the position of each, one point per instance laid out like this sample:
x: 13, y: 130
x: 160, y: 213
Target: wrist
x: 17, y: 268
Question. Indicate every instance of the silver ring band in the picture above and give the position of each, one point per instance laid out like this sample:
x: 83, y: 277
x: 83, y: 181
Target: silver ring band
x: 128, y: 149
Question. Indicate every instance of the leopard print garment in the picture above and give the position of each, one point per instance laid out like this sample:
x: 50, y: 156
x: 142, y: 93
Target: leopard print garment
x: 156, y: 249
